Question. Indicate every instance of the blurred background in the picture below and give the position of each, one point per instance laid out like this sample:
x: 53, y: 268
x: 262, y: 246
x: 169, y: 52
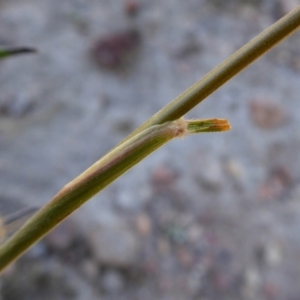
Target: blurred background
x: 213, y: 216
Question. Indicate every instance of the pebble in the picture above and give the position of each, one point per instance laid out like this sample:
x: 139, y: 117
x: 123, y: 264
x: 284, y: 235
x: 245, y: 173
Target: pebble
x: 121, y: 121
x: 165, y: 284
x: 252, y: 279
x: 222, y: 281
x: 143, y: 224
x: 123, y: 124
x: 195, y: 233
x: 115, y: 245
x: 132, y: 7
x: 163, y: 176
x: 224, y: 256
x: 89, y: 268
x: 274, y: 254
x: 280, y: 180
x: 114, y: 50
x: 235, y: 169
x: 190, y: 46
x: 27, y: 18
x: 194, y: 283
x: 270, y: 290
x: 16, y: 105
x: 163, y: 246
x: 112, y: 281
x: 151, y: 266
x: 266, y: 113
x: 185, y: 257
x: 126, y: 200
x: 177, y: 234
x: 209, y: 173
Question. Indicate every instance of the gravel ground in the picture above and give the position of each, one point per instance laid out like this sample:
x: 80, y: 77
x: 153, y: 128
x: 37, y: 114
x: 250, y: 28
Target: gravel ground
x: 213, y: 216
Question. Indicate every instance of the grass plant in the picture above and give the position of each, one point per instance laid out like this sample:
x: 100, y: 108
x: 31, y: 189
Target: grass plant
x: 159, y: 129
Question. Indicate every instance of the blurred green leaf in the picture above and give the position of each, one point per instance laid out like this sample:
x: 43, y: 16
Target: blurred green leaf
x: 6, y: 52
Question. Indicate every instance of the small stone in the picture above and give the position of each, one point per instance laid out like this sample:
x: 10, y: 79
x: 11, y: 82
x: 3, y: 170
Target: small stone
x: 235, y: 169
x: 224, y: 256
x: 16, y: 106
x: 259, y: 254
x: 145, y: 194
x: 270, y: 290
x: 121, y: 121
x: 143, y: 224
x: 163, y: 246
x: 177, y: 234
x: 185, y: 257
x: 163, y: 175
x: 195, y: 233
x: 132, y: 7
x: 273, y: 254
x: 266, y: 113
x: 115, y: 245
x: 89, y: 268
x: 112, y: 281
x: 252, y: 279
x: 194, y: 284
x: 150, y: 266
x: 126, y: 200
x: 165, y: 284
x: 114, y: 50
x: 209, y: 173
x: 222, y: 281
x: 189, y: 47
x: 123, y: 124
x: 279, y: 181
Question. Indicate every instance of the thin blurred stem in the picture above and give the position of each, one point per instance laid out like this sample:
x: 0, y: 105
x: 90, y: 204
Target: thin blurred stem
x: 226, y: 70
x: 18, y: 215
